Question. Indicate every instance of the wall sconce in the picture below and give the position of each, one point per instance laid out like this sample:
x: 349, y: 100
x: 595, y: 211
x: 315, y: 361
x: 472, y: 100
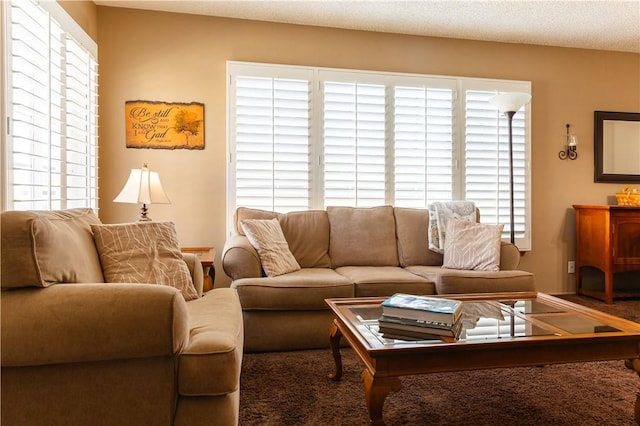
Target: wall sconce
x: 143, y: 187
x: 571, y: 150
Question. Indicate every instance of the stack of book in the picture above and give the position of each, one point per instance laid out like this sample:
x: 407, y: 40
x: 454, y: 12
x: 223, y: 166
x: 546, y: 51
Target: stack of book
x: 412, y: 317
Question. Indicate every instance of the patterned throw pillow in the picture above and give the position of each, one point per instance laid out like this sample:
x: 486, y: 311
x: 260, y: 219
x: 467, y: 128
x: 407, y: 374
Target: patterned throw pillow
x: 145, y: 253
x: 472, y: 246
x: 267, y: 238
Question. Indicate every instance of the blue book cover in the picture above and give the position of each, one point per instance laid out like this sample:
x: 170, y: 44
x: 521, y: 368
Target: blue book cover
x: 422, y: 307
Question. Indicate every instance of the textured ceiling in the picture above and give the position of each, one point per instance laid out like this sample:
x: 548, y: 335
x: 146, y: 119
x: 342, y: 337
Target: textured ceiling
x: 603, y: 24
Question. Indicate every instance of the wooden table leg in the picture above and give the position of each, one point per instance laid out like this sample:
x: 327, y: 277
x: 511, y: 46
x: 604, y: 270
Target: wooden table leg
x: 376, y: 390
x: 634, y: 364
x: 334, y: 341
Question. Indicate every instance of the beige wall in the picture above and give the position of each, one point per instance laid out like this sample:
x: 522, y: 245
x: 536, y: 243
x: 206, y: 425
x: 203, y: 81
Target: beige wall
x: 85, y: 13
x: 182, y: 58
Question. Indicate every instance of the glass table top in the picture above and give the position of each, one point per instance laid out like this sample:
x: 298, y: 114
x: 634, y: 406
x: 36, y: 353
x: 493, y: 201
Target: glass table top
x: 492, y: 320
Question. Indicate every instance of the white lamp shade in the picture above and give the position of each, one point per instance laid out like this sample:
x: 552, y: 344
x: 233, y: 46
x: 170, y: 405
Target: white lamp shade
x: 143, y: 187
x: 510, y: 101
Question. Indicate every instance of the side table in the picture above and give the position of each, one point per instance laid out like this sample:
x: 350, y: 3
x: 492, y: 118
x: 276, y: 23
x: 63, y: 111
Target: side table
x: 207, y: 256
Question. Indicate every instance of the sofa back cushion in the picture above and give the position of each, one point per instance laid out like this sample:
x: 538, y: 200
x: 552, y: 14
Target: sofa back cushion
x: 40, y: 248
x: 306, y: 232
x: 247, y: 213
x: 412, y: 229
x: 362, y: 236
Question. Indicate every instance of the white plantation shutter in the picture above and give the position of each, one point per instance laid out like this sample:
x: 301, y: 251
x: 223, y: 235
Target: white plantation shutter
x: 51, y: 150
x: 271, y: 129
x: 487, y: 163
x: 307, y: 138
x: 354, y: 144
x: 423, y: 146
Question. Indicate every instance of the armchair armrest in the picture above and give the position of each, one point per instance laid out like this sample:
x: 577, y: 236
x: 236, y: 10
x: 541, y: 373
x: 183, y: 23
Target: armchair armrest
x: 509, y: 256
x: 240, y: 259
x: 67, y: 323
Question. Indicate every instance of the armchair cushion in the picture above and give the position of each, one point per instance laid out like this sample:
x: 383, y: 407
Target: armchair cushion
x: 215, y: 345
x: 36, y: 248
x: 143, y: 252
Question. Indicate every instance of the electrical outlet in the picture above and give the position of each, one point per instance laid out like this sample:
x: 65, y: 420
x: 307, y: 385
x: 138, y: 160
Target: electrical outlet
x: 571, y: 267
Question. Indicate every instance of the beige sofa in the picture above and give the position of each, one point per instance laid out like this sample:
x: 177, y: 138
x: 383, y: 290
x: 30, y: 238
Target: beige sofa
x: 77, y: 351
x: 345, y: 252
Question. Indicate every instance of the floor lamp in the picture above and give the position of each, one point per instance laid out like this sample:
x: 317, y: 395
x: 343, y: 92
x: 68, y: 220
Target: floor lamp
x: 508, y: 104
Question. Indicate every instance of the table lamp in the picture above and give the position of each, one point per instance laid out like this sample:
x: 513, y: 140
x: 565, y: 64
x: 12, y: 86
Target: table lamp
x: 143, y: 186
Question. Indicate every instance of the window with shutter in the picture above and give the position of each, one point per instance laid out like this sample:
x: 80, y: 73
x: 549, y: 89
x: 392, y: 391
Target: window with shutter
x: 423, y: 145
x: 354, y: 144
x: 271, y: 123
x: 51, y: 106
x: 307, y: 138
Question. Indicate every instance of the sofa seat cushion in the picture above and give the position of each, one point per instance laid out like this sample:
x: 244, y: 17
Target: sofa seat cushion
x: 305, y: 289
x: 362, y: 236
x: 385, y: 280
x: 210, y: 364
x: 462, y: 281
x: 31, y: 248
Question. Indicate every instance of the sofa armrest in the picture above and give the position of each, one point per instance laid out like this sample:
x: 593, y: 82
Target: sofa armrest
x: 195, y: 267
x: 69, y: 323
x: 240, y: 259
x: 509, y: 256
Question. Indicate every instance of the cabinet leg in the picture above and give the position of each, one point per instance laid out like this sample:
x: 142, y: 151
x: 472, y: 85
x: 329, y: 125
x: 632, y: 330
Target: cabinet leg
x: 608, y: 287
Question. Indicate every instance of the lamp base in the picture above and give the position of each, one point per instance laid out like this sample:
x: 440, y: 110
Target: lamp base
x: 143, y: 214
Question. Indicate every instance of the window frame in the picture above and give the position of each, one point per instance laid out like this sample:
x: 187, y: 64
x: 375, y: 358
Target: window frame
x: 459, y: 85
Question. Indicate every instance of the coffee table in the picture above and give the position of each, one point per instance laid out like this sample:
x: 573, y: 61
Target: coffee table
x: 500, y: 330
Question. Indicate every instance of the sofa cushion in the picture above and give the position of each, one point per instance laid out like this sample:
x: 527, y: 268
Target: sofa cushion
x: 247, y: 213
x: 307, y: 233
x: 412, y: 230
x: 472, y: 245
x: 267, y: 238
x: 210, y: 364
x: 362, y: 236
x: 40, y: 248
x: 305, y: 289
x: 145, y: 253
x: 385, y: 280
x: 463, y: 281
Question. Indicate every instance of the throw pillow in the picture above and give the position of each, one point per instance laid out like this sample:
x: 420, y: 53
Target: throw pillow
x: 267, y: 238
x: 472, y: 246
x: 145, y: 253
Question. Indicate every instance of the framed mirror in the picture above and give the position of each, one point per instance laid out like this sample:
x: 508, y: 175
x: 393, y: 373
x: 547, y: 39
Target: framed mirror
x: 617, y: 146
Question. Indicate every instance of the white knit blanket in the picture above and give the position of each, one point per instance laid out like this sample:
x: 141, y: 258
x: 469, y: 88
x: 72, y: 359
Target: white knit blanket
x: 439, y: 214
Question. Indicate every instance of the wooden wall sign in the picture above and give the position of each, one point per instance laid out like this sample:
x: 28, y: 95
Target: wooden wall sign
x: 164, y: 125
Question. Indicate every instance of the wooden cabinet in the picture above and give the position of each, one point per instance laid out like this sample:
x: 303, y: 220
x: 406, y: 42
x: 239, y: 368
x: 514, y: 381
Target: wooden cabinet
x: 607, y: 238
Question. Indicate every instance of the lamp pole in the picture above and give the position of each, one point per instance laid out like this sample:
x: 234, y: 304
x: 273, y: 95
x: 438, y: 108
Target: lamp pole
x: 512, y: 221
x: 509, y: 104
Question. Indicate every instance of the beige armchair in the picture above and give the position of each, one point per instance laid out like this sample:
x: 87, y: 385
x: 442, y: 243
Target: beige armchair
x: 78, y: 351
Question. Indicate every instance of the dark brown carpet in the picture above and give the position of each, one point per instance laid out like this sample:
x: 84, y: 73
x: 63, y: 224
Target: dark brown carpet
x: 292, y: 388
